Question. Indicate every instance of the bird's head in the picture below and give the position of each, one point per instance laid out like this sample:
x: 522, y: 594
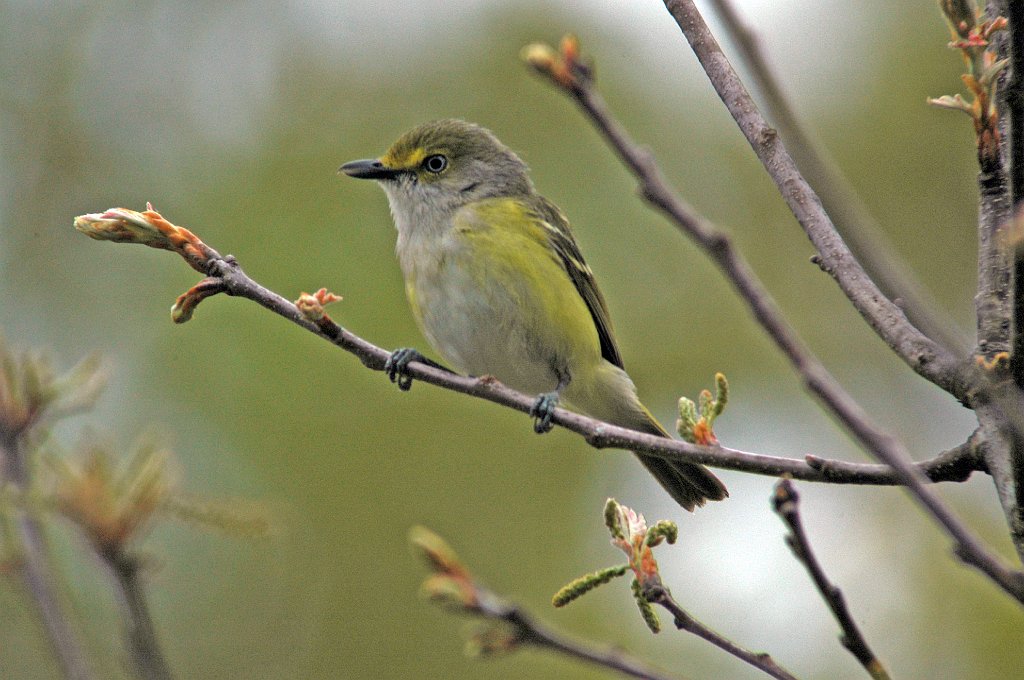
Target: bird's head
x: 436, y: 168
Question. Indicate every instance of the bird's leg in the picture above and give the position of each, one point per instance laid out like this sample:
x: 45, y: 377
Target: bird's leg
x: 544, y: 408
x: 397, y: 364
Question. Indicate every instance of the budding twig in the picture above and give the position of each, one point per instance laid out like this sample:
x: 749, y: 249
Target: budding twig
x: 506, y: 626
x: 631, y: 534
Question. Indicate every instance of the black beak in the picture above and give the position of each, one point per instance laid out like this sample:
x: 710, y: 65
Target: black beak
x: 369, y: 169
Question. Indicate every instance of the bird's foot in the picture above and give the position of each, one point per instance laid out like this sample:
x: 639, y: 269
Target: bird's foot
x: 542, y: 411
x: 397, y: 366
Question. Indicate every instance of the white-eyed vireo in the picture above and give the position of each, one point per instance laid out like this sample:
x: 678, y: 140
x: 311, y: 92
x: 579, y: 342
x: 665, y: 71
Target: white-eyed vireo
x: 499, y: 286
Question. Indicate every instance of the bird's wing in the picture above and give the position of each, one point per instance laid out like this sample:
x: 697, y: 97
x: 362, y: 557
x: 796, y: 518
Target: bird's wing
x: 560, y: 238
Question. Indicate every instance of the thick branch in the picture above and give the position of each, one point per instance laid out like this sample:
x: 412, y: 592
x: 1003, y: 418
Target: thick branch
x: 1014, y: 94
x: 992, y: 302
x: 929, y: 359
x: 852, y: 218
x: 786, y: 504
x: 1010, y: 481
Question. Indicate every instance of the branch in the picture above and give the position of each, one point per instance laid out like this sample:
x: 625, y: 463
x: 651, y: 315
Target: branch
x: 933, y: 362
x: 1010, y: 481
x: 1014, y: 93
x: 930, y: 360
x: 226, y: 276
x: 630, y: 533
x: 852, y: 218
x: 659, y: 595
x: 999, y: 404
x: 786, y: 504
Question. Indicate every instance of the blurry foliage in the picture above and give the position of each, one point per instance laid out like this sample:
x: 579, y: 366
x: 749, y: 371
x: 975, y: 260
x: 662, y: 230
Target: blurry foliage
x: 234, y: 116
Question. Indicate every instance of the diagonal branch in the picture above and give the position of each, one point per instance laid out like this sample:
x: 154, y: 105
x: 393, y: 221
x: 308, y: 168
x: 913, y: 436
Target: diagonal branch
x: 659, y: 595
x: 852, y: 218
x: 930, y: 360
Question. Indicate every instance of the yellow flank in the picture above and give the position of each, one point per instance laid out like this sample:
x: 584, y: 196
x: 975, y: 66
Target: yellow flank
x: 509, y: 247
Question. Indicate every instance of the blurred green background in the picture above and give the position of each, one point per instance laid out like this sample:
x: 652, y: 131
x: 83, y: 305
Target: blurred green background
x: 232, y: 117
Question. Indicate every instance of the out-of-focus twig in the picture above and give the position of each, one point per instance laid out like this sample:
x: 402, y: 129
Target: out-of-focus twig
x: 112, y: 508
x: 31, y: 395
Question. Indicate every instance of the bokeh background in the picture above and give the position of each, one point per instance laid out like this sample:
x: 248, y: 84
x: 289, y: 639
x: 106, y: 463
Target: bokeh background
x: 232, y: 117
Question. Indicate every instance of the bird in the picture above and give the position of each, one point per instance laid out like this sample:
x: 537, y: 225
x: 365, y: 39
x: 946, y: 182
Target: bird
x: 499, y: 287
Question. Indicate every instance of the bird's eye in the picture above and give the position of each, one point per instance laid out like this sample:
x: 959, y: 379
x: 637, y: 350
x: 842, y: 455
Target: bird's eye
x: 435, y: 164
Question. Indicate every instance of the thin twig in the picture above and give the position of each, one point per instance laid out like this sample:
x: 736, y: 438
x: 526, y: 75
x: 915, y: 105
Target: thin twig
x: 533, y: 632
x: 955, y: 374
x: 660, y: 595
x: 140, y: 632
x: 34, y: 564
x: 786, y: 503
x: 852, y: 218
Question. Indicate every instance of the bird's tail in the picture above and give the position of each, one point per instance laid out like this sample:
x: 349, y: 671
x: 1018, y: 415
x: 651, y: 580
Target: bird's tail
x: 691, y: 485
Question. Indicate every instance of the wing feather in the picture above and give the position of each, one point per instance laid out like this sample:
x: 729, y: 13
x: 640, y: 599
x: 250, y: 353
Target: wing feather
x: 560, y: 237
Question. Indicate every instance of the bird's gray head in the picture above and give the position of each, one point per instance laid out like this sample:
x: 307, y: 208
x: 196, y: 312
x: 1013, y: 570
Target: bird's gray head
x: 436, y: 168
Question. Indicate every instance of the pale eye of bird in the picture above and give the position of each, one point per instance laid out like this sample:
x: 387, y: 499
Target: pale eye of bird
x: 435, y: 164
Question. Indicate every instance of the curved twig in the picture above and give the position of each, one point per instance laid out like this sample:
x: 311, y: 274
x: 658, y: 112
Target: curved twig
x: 786, y: 504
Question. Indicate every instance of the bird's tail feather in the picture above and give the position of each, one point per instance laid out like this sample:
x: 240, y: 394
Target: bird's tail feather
x: 691, y: 485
